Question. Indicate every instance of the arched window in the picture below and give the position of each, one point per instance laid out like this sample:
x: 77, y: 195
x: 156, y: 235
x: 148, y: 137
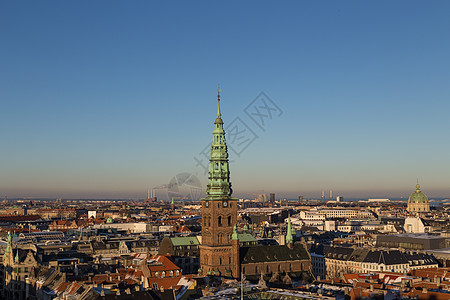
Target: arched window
x: 220, y: 260
x: 229, y: 220
x: 220, y: 220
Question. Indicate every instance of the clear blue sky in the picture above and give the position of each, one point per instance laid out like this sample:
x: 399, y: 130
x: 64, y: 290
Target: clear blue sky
x: 110, y: 98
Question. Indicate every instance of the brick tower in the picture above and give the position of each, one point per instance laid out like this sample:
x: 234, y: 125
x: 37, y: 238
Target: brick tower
x: 218, y: 253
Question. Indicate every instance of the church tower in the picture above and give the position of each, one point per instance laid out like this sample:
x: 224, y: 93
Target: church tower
x: 218, y: 255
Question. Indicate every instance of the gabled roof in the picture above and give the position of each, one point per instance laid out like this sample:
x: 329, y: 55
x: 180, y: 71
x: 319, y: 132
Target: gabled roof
x: 258, y: 254
x: 161, y: 263
x: 392, y: 257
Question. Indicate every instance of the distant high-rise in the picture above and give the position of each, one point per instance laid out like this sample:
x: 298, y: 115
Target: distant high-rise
x: 271, y: 199
x: 300, y: 199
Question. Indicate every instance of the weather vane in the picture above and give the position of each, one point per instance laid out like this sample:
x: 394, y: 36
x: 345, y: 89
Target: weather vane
x: 218, y: 92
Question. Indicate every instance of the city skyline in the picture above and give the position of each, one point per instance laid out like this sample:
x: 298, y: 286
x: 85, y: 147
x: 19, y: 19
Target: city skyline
x: 113, y: 100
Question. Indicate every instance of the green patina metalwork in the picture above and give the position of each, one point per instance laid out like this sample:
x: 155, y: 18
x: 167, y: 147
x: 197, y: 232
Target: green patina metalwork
x: 219, y: 185
x: 8, y: 246
x: 184, y: 241
x: 235, y: 235
x: 418, y: 196
x: 289, y: 238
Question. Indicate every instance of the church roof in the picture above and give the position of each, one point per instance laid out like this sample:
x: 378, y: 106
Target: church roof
x: 259, y: 254
x: 184, y: 241
x: 418, y: 196
x: 246, y: 237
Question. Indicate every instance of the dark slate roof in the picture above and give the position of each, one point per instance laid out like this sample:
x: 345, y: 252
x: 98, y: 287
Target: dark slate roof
x: 102, y: 245
x: 316, y: 248
x: 258, y: 254
x: 359, y: 254
x: 392, y: 257
x: 340, y: 253
x: 422, y: 259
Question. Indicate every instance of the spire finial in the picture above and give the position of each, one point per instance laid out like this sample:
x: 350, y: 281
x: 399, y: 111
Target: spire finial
x: 289, y: 238
x: 218, y: 100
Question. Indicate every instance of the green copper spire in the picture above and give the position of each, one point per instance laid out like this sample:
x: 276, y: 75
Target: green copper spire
x: 16, y: 259
x: 235, y: 236
x: 8, y: 246
x: 219, y: 186
x: 172, y: 201
x: 289, y: 238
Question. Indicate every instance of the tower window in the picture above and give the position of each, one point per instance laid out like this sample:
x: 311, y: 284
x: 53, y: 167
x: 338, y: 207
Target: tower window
x: 229, y: 220
x: 220, y: 220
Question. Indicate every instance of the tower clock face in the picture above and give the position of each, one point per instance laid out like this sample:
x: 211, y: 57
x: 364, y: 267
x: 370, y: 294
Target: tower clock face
x: 207, y: 203
x: 225, y: 203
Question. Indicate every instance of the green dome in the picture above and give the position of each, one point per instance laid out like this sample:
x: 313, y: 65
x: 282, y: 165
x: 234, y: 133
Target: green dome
x: 418, y: 196
x: 109, y: 220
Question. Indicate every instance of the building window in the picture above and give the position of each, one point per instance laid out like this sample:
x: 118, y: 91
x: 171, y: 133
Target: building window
x: 229, y: 220
x: 220, y: 220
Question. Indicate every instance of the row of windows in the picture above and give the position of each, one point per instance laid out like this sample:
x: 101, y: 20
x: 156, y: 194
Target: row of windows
x: 163, y: 274
x: 19, y: 270
x: 267, y: 268
x: 228, y: 222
